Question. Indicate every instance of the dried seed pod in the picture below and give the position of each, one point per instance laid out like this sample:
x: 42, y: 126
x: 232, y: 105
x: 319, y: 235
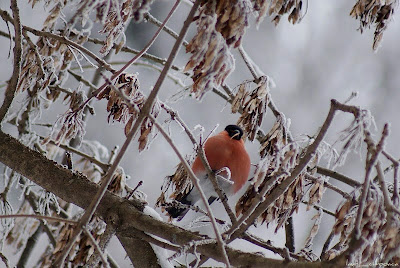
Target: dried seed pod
x: 121, y: 111
x: 254, y: 107
x: 373, y: 227
x: 277, y: 8
x: 239, y: 97
x: 118, y: 110
x: 379, y: 13
x: 118, y: 182
x: 232, y: 20
x: 175, y: 186
x: 315, y: 194
x: 275, y: 139
x: 116, y: 20
x: 211, y: 59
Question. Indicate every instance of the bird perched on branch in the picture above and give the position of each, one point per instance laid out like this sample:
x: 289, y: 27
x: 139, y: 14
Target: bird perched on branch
x: 228, y: 158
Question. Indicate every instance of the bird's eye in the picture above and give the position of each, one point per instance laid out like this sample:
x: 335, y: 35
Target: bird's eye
x: 236, y: 134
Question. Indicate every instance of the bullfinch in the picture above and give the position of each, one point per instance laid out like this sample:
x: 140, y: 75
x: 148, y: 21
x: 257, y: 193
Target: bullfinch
x: 228, y: 158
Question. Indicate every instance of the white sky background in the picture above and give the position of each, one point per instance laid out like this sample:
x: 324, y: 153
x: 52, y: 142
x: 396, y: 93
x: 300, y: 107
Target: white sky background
x: 321, y: 58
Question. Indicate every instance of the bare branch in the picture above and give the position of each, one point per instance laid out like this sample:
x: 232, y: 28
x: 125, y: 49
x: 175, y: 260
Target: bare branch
x: 319, y: 207
x: 168, y: 30
x: 102, y: 165
x: 29, y: 246
x: 330, y: 186
x: 97, y: 247
x: 283, y: 252
x: 249, y: 63
x: 42, y: 217
x: 12, y: 84
x: 338, y: 176
x: 388, y: 202
x: 372, y: 158
x: 396, y: 164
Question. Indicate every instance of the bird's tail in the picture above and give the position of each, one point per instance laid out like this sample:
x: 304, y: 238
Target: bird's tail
x: 179, y: 211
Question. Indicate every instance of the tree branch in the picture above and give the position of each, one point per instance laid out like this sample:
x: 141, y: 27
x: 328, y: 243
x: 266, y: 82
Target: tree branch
x: 12, y: 84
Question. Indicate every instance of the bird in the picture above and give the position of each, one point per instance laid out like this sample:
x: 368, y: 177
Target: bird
x: 228, y: 158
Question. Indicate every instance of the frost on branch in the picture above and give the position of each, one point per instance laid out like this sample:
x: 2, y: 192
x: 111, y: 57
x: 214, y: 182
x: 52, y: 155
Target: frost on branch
x: 370, y: 12
x: 352, y: 137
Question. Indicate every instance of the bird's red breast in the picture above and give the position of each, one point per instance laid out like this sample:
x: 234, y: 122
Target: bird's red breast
x: 223, y: 151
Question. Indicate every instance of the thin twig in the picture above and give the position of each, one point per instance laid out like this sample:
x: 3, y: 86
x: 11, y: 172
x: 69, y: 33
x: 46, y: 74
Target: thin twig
x: 319, y: 207
x: 166, y: 29
x: 289, y: 235
x: 97, y: 247
x: 330, y: 186
x: 154, y: 241
x: 129, y: 195
x: 387, y: 201
x: 36, y: 51
x: 145, y: 55
x: 326, y: 244
x: 92, y: 159
x: 41, y: 217
x: 337, y: 176
x: 372, y: 157
x: 395, y: 197
x: 81, y: 79
x: 283, y: 252
x: 4, y: 259
x: 249, y: 63
x: 63, y: 90
x: 112, y: 262
x: 12, y: 85
x: 103, y: 241
x: 29, y: 246
x: 45, y: 227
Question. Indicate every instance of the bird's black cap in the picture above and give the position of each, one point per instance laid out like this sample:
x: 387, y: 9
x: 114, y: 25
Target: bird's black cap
x: 234, y: 131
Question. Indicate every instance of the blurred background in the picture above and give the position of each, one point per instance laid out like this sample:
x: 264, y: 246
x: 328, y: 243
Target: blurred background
x: 321, y: 58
